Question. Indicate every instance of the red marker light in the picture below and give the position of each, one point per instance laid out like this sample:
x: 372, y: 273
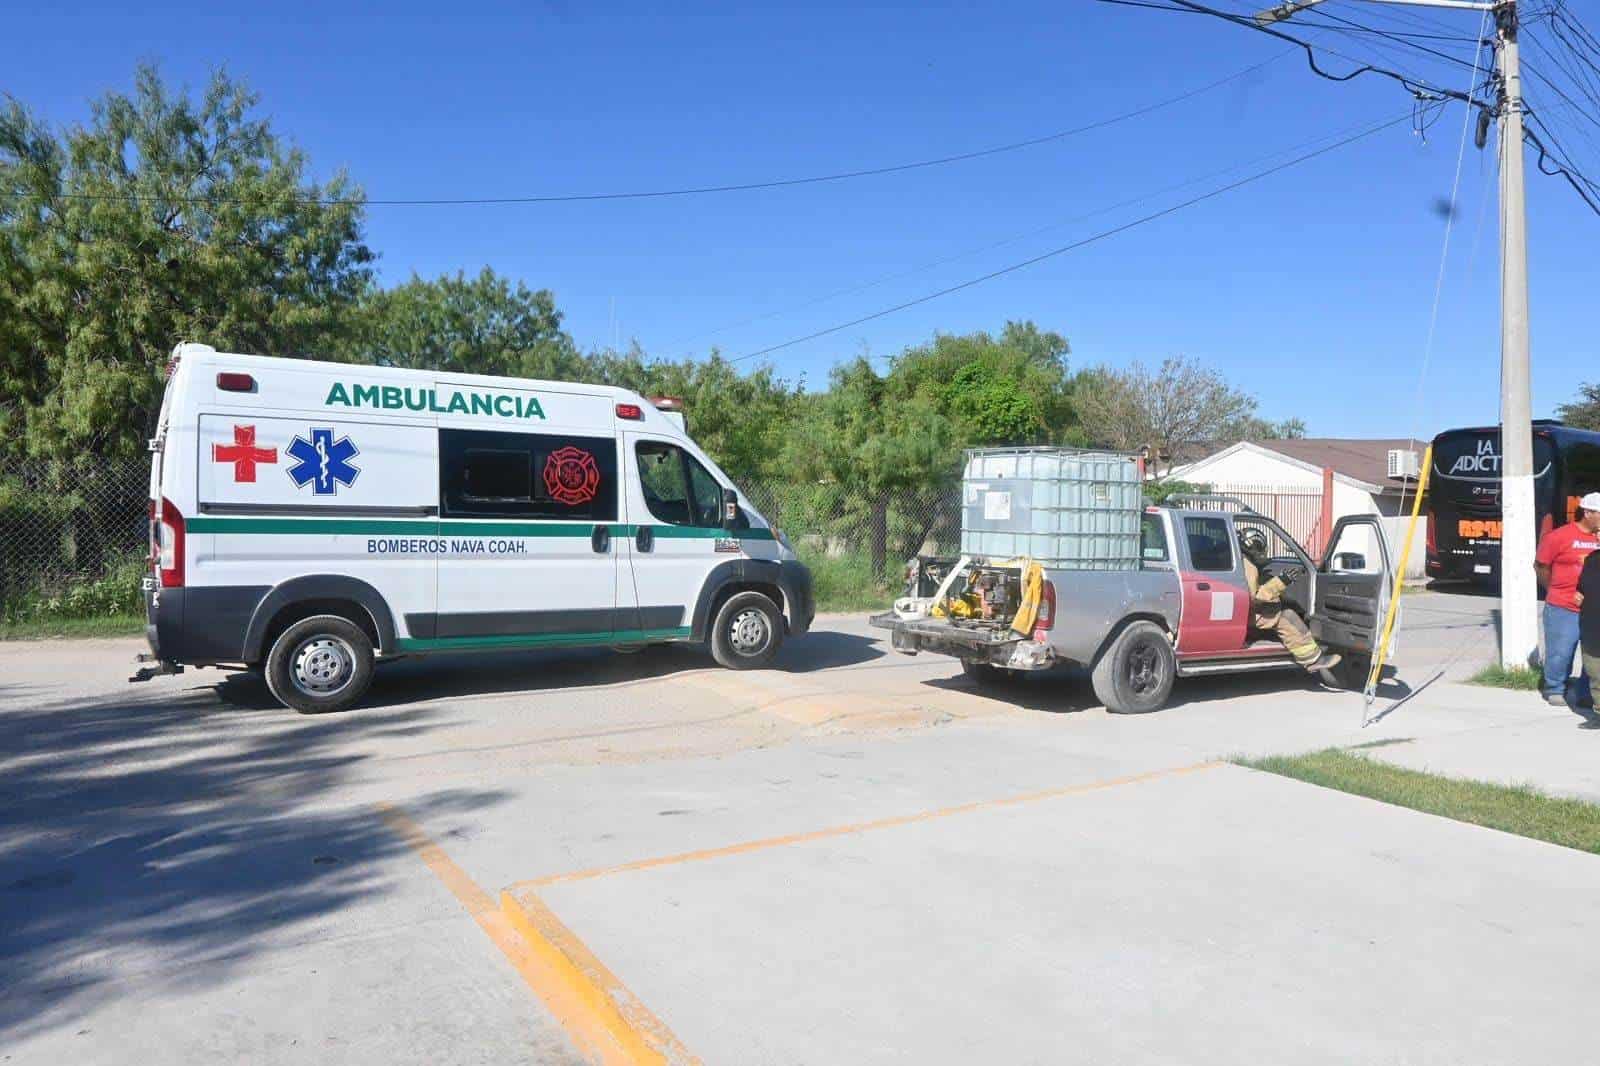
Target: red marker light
x: 229, y: 381
x: 631, y: 411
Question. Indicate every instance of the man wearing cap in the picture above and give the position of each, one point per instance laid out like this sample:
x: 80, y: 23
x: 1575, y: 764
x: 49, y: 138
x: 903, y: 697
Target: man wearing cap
x: 1559, y: 562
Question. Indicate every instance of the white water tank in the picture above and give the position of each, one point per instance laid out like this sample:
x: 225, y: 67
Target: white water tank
x: 1067, y: 508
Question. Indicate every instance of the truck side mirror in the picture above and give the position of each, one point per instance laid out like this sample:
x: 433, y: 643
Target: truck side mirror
x: 730, y: 510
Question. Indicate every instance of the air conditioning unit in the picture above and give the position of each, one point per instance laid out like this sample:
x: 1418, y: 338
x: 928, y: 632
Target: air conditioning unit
x: 1403, y: 463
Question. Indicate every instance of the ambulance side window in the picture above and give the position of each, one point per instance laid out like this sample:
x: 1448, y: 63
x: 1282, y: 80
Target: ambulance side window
x: 677, y: 489
x: 495, y: 474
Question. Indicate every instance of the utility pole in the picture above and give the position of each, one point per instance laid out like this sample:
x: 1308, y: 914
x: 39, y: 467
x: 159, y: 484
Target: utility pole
x: 1519, y: 621
x: 1519, y: 594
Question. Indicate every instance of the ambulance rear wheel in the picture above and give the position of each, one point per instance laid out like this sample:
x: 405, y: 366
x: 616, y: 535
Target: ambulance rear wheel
x: 320, y: 664
x: 747, y: 632
x: 1136, y: 673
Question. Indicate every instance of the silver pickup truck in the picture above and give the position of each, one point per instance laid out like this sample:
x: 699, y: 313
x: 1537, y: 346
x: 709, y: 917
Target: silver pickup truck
x: 1184, y: 611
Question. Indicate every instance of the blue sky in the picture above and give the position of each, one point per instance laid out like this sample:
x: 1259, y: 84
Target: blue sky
x: 1311, y: 288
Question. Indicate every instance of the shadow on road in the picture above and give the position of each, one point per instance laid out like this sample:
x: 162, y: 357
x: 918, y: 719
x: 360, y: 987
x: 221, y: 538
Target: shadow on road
x: 1066, y: 690
x: 155, y: 834
x: 444, y: 675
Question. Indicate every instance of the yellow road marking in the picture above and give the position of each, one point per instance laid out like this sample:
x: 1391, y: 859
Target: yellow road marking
x: 638, y: 1032
x: 607, y: 1022
x: 528, y: 887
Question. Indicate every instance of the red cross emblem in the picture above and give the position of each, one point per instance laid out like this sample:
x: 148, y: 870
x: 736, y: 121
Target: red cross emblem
x: 243, y: 454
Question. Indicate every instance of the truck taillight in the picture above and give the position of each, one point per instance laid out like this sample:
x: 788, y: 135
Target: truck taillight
x: 167, y: 548
x: 1047, y: 611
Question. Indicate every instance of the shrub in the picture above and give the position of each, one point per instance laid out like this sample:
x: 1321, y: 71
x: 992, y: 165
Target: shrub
x: 112, y: 593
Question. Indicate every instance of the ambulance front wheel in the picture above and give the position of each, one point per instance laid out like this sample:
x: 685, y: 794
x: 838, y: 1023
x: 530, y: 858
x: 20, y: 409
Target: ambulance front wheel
x: 747, y: 632
x: 320, y: 664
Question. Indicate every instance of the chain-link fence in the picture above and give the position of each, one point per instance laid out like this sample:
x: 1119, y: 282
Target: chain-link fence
x: 75, y: 534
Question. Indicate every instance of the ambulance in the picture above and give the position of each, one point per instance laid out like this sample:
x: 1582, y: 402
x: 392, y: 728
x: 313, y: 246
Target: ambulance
x: 309, y: 520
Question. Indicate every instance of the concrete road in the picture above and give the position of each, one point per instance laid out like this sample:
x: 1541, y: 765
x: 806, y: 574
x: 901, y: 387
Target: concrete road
x: 853, y: 857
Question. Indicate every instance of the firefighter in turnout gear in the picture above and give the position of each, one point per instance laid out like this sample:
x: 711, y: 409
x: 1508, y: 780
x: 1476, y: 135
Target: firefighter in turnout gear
x: 1267, y: 612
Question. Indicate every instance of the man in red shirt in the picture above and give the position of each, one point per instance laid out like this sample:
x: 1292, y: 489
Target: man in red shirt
x: 1558, y: 563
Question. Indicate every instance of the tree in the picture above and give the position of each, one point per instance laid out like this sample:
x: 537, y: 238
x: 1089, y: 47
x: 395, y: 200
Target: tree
x: 1179, y: 403
x: 742, y: 420
x: 1010, y: 389
x: 484, y: 325
x: 164, y: 219
x: 872, y: 442
x: 893, y: 441
x: 1251, y: 427
x: 1584, y: 412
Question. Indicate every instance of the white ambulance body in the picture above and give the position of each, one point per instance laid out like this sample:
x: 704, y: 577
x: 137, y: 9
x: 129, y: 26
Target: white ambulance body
x: 309, y: 518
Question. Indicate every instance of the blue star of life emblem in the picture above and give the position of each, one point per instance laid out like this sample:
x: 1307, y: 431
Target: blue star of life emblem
x: 322, y: 462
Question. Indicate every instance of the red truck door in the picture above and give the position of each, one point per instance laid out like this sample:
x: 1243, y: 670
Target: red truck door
x: 1216, y: 600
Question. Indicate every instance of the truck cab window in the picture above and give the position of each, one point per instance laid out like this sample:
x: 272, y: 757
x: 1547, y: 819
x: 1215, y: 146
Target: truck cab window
x: 1210, y: 544
x: 1153, y: 539
x: 677, y: 489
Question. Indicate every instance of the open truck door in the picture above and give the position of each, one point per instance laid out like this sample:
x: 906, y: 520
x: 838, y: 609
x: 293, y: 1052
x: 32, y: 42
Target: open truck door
x: 1353, y: 587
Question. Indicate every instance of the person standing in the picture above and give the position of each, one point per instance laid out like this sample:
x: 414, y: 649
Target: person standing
x: 1559, y: 562
x: 1588, y: 597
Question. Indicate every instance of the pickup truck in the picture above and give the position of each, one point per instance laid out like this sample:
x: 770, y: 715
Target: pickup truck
x: 1184, y: 612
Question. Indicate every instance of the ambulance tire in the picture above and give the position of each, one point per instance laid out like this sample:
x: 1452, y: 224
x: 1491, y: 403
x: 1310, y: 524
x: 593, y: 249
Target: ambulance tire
x: 747, y: 632
x: 320, y: 664
x: 1135, y: 674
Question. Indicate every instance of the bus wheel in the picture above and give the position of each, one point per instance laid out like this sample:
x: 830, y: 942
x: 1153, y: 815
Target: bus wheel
x: 320, y: 664
x: 747, y: 632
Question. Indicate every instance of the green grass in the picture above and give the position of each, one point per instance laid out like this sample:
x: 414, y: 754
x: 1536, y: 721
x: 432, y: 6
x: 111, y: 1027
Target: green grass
x: 115, y: 625
x: 1522, y: 678
x: 1521, y: 809
x: 845, y: 583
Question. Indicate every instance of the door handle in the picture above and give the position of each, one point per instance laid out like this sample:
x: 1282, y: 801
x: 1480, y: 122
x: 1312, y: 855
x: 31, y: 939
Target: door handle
x: 646, y: 539
x: 600, y: 540
x: 1204, y: 586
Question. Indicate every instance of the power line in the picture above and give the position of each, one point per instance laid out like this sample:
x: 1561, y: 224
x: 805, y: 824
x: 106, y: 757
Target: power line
x: 1092, y: 239
x: 1416, y: 86
x: 1349, y: 25
x: 1419, y: 89
x: 700, y: 190
x: 1012, y: 239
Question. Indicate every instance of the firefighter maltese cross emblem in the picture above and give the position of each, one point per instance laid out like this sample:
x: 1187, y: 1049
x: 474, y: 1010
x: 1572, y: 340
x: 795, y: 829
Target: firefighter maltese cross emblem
x: 322, y: 462
x: 570, y: 476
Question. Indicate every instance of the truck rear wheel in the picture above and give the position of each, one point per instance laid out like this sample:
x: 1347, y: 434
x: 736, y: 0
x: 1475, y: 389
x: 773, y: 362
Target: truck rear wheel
x: 320, y: 664
x: 1135, y: 674
x: 988, y: 673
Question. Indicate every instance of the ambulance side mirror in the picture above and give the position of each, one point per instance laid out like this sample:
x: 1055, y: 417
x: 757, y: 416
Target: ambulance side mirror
x: 730, y: 510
